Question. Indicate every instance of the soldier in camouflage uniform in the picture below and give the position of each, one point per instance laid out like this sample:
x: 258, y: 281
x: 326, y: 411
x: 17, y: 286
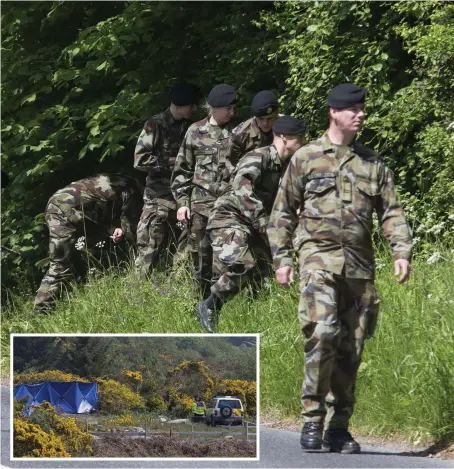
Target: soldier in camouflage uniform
x: 336, y: 183
x: 155, y: 153
x: 256, y: 132
x: 237, y: 224
x: 96, y: 208
x: 201, y: 174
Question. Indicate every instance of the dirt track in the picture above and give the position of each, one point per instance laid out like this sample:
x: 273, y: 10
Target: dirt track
x: 164, y: 446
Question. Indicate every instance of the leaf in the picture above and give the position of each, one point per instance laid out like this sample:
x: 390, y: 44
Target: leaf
x: 312, y: 27
x: 102, y: 66
x: 378, y: 66
x: 29, y: 99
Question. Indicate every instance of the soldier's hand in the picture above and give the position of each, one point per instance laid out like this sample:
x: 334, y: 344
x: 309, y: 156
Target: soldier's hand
x: 117, y: 235
x: 402, y: 267
x: 284, y: 276
x: 183, y: 214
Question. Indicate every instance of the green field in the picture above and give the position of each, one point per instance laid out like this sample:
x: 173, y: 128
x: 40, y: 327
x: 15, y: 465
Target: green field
x: 406, y: 381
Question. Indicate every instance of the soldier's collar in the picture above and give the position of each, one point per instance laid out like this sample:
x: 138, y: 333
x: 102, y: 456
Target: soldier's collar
x: 170, y: 119
x: 255, y: 127
x: 274, y: 154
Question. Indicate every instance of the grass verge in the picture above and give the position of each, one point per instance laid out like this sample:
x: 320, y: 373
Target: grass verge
x: 406, y: 381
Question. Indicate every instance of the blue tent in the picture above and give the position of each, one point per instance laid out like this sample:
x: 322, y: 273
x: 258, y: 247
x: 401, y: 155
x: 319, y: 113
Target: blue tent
x: 68, y: 398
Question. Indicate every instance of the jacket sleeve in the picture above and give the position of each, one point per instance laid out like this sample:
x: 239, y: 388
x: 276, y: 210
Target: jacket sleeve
x: 284, y: 218
x: 247, y: 174
x: 183, y: 172
x: 147, y: 152
x: 392, y: 216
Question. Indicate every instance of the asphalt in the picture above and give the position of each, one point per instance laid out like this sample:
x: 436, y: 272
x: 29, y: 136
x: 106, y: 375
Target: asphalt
x: 278, y: 448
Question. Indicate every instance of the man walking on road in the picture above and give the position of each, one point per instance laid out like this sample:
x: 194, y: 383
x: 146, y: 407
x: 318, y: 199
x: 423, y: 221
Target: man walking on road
x: 335, y: 183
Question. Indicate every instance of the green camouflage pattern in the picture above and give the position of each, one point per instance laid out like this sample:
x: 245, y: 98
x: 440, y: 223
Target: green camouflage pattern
x: 246, y: 137
x: 203, y: 167
x: 238, y: 258
x: 201, y: 175
x: 238, y: 221
x: 327, y: 200
x: 336, y: 315
x: 155, y: 153
x: 158, y: 235
x: 93, y: 208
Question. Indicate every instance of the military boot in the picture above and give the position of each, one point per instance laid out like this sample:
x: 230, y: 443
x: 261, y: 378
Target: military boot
x: 207, y: 312
x: 311, y: 435
x: 339, y: 440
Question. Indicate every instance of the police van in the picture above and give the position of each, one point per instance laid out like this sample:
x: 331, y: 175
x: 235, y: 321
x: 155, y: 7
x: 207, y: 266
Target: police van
x: 224, y: 410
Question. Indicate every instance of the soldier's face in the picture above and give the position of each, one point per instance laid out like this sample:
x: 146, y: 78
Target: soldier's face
x: 292, y: 143
x: 350, y: 119
x: 222, y: 115
x: 266, y: 123
x: 186, y: 111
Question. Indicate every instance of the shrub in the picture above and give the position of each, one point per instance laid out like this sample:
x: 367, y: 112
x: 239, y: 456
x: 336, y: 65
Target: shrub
x: 75, y: 440
x: 117, y: 398
x: 31, y: 441
x: 48, y: 375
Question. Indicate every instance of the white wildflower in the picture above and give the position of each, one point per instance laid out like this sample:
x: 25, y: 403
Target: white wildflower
x: 101, y: 244
x: 80, y: 243
x: 380, y: 266
x: 180, y: 225
x: 91, y: 270
x: 436, y: 229
x: 435, y: 257
x: 416, y: 240
x: 429, y: 296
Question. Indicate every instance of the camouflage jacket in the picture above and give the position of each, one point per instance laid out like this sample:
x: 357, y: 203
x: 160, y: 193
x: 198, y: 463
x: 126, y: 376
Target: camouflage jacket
x: 100, y: 203
x: 155, y: 153
x: 203, y: 167
x: 254, y: 188
x: 246, y: 137
x: 336, y: 197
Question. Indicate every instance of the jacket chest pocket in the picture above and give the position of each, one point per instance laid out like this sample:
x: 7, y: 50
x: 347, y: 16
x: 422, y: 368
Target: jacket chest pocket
x: 205, y: 166
x: 320, y: 196
x: 366, y: 194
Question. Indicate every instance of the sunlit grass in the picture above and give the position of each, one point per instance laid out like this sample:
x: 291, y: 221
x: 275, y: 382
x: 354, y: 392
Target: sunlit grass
x: 406, y: 381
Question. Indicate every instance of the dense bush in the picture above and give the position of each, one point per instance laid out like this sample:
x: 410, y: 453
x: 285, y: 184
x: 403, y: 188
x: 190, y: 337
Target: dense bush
x: 79, y: 79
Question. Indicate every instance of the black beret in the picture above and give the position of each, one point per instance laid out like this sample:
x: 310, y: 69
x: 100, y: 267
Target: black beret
x: 222, y: 95
x: 184, y: 94
x: 289, y: 125
x: 264, y: 103
x: 346, y: 95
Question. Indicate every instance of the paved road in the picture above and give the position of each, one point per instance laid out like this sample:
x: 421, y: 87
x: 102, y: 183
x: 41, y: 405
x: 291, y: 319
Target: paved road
x: 278, y: 448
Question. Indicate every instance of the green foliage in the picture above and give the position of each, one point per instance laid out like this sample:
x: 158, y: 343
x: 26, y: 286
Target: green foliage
x: 79, y: 80
x: 404, y: 54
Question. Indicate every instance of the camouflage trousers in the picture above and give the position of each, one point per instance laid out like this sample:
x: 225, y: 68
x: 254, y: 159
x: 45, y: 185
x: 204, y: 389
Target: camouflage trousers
x: 238, y: 258
x: 158, y: 234
x: 201, y: 251
x: 336, y: 315
x: 61, y: 245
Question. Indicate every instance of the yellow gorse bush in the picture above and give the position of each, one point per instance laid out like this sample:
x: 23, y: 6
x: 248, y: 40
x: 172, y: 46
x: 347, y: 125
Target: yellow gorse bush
x: 117, y: 398
x: 245, y: 390
x: 121, y: 420
x: 31, y: 441
x: 48, y: 375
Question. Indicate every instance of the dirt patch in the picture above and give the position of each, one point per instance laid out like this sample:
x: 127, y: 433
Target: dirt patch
x: 165, y: 446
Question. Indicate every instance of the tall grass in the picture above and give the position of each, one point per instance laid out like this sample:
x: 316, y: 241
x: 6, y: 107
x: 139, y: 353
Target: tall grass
x: 406, y: 381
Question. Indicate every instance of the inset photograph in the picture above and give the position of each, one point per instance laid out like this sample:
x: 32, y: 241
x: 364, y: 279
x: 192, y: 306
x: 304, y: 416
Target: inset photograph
x: 135, y: 396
